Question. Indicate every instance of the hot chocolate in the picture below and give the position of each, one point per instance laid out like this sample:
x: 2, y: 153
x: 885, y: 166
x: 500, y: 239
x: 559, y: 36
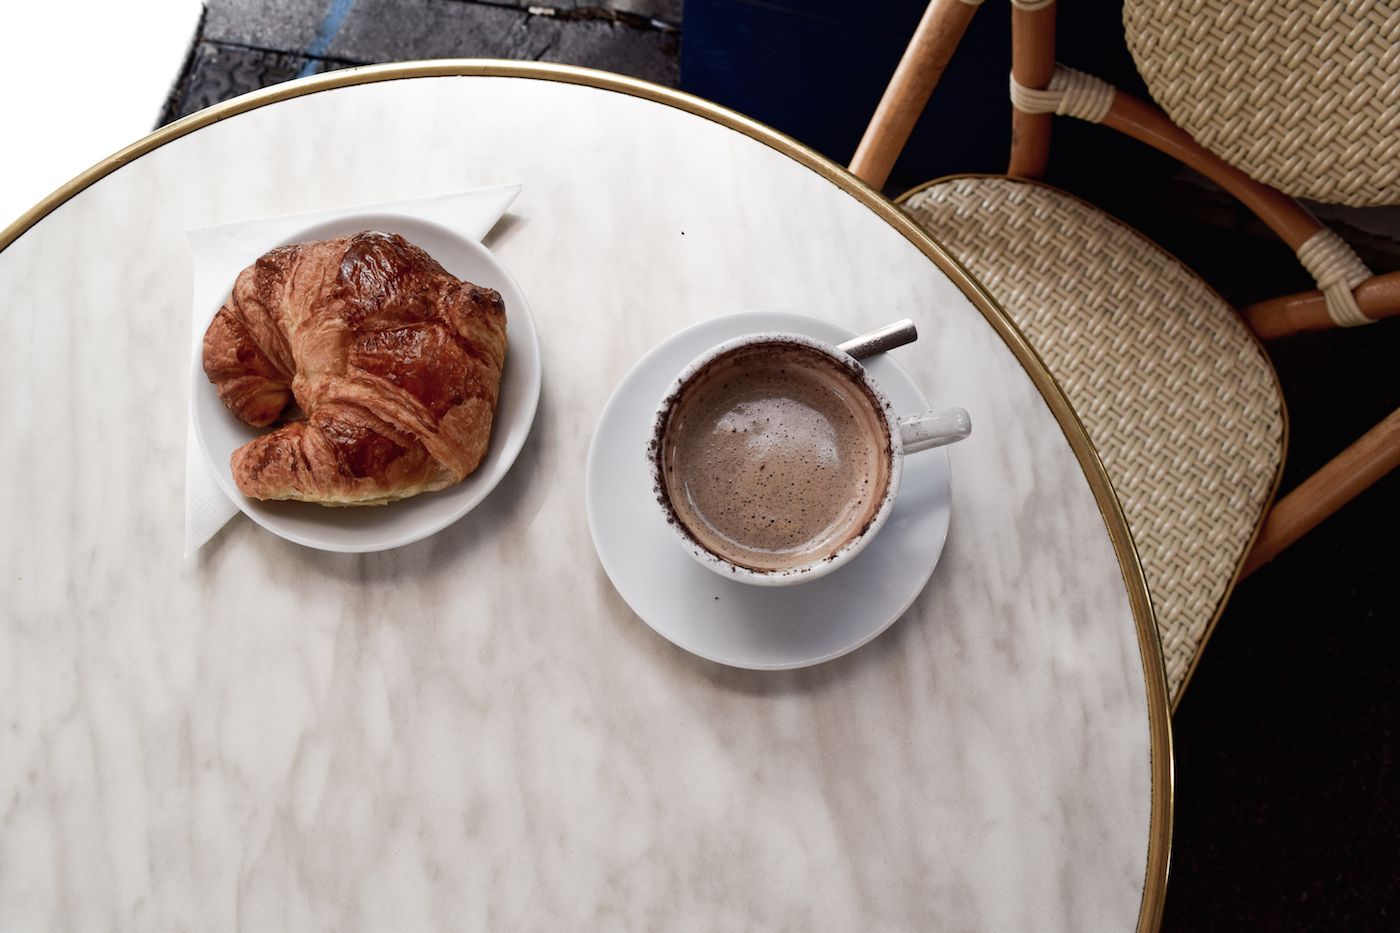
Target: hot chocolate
x: 774, y: 456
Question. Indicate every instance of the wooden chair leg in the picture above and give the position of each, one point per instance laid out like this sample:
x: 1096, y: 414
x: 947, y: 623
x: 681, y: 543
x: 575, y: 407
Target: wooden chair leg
x: 1145, y: 123
x: 938, y: 35
x: 1032, y: 65
x: 1347, y: 296
x: 1348, y: 474
x: 1377, y: 297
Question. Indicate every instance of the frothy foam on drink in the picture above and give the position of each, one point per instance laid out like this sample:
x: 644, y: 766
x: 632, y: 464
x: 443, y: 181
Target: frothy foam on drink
x: 774, y: 457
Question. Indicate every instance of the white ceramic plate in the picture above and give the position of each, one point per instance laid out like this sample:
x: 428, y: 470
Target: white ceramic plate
x: 763, y: 628
x: 378, y: 528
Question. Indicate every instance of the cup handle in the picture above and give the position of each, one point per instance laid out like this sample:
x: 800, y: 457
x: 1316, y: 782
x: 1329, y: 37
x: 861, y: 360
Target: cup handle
x: 933, y: 429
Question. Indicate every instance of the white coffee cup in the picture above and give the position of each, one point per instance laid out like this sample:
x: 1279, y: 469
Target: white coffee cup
x: 893, y: 436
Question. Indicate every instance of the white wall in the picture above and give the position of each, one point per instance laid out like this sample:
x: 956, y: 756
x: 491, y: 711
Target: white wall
x: 78, y: 81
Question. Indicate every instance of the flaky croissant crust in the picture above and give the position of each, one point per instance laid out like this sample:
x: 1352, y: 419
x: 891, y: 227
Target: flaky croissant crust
x: 395, y: 363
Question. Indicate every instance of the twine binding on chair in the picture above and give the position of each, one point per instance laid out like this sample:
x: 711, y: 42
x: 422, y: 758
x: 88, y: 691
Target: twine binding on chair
x: 1070, y: 93
x: 1338, y: 270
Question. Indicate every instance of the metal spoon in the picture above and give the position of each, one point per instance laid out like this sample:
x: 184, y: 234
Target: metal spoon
x: 878, y: 341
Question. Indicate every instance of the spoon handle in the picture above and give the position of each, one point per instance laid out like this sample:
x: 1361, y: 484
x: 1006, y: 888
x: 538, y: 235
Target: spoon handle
x: 878, y: 341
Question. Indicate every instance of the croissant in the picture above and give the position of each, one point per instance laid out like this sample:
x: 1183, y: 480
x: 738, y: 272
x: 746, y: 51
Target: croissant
x: 395, y: 363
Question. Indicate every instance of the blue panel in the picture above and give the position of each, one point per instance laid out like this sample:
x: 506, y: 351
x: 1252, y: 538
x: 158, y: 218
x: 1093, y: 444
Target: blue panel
x: 816, y: 71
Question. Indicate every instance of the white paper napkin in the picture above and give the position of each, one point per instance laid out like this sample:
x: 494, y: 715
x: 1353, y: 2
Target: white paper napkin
x: 220, y: 253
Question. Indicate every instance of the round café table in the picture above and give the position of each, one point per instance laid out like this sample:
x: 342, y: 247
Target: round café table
x: 474, y: 732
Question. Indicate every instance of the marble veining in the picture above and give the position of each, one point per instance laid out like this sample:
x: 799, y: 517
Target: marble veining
x: 473, y: 732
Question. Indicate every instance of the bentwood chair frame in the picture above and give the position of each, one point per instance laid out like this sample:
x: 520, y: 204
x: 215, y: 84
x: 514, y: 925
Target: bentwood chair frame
x: 1348, y: 294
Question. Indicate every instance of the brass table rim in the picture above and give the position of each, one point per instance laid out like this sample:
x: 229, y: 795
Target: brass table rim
x: 1149, y: 647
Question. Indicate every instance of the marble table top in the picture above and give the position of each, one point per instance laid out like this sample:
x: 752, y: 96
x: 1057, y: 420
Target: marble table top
x: 473, y: 732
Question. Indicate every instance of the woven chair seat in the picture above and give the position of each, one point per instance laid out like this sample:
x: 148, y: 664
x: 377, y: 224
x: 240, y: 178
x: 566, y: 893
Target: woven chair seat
x: 1303, y: 95
x: 1176, y: 395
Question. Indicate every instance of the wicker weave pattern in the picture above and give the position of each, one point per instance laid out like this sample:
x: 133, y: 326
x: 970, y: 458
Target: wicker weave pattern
x: 1178, y: 398
x: 1303, y: 95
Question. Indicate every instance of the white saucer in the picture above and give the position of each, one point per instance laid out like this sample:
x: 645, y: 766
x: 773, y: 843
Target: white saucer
x: 380, y: 527
x: 763, y: 628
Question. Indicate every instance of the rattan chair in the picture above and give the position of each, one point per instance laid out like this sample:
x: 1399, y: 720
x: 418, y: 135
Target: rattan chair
x: 1171, y: 383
